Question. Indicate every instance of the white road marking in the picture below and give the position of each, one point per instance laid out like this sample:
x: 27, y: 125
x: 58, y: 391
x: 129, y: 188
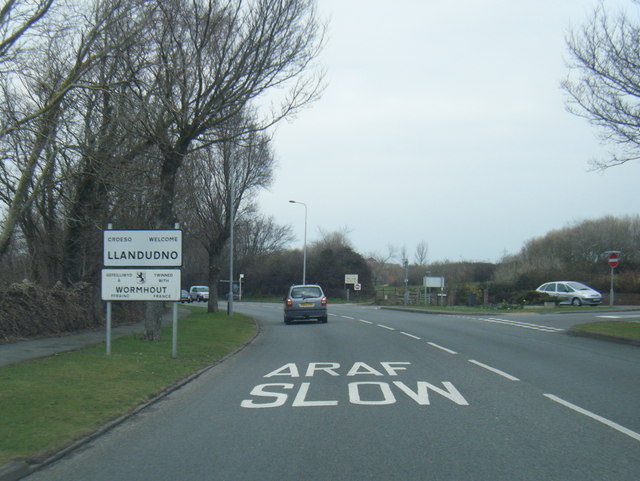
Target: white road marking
x: 525, y: 325
x: 386, y: 327
x: 441, y: 348
x: 494, y: 370
x: 607, y: 422
x: 366, y: 322
x: 619, y: 316
x: 347, y: 317
x: 410, y: 335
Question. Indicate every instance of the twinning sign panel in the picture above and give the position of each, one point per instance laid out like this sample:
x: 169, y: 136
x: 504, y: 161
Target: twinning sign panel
x: 142, y: 248
x: 140, y: 284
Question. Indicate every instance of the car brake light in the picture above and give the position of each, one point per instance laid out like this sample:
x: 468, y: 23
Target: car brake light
x: 323, y: 301
x: 289, y: 302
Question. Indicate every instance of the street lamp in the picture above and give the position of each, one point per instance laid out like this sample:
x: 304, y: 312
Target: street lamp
x: 304, y: 250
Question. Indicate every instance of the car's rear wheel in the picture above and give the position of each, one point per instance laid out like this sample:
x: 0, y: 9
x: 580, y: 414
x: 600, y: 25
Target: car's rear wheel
x: 576, y: 302
x: 323, y: 319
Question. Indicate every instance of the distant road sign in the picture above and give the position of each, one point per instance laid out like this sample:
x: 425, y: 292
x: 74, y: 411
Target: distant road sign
x: 437, y: 282
x: 614, y: 259
x: 351, y: 278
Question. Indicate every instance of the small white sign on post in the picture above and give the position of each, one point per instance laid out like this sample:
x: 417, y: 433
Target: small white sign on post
x: 141, y: 284
x: 351, y: 278
x: 437, y: 282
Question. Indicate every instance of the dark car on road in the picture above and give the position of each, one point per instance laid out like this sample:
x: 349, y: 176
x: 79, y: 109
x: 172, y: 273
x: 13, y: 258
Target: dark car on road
x: 305, y: 302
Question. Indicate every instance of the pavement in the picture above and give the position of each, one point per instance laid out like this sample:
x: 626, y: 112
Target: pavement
x: 19, y: 351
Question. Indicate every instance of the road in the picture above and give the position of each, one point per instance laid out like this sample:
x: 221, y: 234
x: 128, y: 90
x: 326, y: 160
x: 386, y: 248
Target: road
x: 388, y: 395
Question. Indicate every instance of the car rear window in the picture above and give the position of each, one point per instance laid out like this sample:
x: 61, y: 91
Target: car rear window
x: 302, y: 292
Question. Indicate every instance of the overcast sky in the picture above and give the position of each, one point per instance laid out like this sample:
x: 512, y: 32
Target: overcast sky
x: 444, y: 122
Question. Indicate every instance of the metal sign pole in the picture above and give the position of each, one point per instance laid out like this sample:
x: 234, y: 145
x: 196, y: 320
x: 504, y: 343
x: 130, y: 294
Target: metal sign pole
x: 108, y: 320
x: 613, y: 259
x: 611, y: 292
x: 174, y: 347
x: 174, y: 341
x: 108, y: 328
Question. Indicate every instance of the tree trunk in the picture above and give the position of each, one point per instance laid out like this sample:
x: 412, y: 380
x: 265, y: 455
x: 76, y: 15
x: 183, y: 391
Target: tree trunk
x: 216, y: 246
x: 171, y: 163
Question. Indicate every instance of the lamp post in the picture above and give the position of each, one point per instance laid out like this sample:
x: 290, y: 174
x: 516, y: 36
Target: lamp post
x: 304, y: 250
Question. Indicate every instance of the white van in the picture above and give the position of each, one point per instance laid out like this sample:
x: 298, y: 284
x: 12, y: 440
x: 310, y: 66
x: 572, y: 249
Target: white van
x: 199, y: 293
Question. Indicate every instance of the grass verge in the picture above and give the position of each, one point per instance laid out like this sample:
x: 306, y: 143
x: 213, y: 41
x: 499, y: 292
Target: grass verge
x: 48, y: 403
x: 619, y: 329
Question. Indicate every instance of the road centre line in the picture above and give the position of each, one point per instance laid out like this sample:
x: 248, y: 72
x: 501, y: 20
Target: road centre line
x: 433, y: 344
x: 605, y: 421
x: 347, y: 317
x: 494, y: 370
x: 410, y: 335
x: 386, y: 327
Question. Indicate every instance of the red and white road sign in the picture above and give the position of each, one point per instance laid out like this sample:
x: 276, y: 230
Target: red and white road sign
x: 613, y: 259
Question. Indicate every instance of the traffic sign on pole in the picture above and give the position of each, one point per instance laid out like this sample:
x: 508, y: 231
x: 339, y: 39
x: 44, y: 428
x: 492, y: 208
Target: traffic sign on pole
x: 613, y: 259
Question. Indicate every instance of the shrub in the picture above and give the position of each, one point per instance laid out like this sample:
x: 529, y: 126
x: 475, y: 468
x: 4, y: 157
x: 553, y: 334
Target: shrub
x: 28, y: 310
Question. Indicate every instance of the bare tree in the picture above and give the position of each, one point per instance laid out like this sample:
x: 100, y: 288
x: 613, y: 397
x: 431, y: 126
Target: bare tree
x: 208, y: 61
x: 422, y: 249
x: 257, y: 235
x: 17, y: 17
x: 218, y: 181
x: 603, y: 85
x: 34, y: 92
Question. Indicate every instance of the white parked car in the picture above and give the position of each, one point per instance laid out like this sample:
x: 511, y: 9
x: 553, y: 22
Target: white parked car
x: 571, y: 292
x: 199, y: 293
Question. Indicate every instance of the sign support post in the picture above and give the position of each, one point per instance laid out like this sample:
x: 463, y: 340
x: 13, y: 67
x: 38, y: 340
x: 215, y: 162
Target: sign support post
x: 174, y: 338
x: 108, y: 341
x: 108, y: 320
x: 613, y: 260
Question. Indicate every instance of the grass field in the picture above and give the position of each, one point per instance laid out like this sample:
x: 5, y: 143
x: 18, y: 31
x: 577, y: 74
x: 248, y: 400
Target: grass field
x: 48, y: 403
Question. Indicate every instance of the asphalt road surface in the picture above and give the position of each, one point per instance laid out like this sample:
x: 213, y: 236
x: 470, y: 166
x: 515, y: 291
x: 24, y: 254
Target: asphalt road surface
x: 387, y: 395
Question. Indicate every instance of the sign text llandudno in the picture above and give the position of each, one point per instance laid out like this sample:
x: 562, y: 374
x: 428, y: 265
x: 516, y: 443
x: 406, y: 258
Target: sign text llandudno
x: 142, y: 248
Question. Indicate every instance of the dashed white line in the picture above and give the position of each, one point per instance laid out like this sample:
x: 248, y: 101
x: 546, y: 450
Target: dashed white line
x: 386, y: 327
x: 607, y: 422
x: 494, y: 370
x: 347, y: 317
x: 433, y: 344
x: 366, y: 322
x: 410, y: 335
